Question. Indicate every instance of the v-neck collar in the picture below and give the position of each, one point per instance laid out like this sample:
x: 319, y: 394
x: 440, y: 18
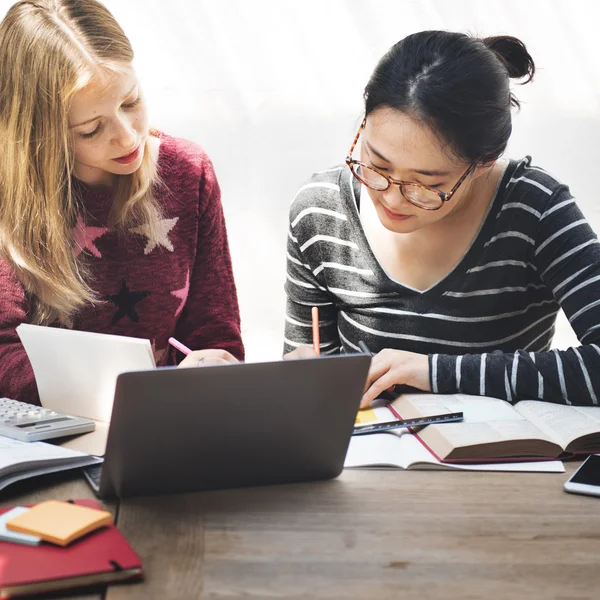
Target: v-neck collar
x: 351, y: 190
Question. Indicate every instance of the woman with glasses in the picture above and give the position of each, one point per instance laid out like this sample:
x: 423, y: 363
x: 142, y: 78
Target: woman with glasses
x: 449, y: 261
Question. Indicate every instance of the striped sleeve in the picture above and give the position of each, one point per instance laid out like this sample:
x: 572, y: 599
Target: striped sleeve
x: 304, y: 290
x: 567, y: 256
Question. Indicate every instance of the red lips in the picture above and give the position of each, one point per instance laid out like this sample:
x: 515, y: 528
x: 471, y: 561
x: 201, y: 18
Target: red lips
x: 128, y: 158
x: 395, y: 216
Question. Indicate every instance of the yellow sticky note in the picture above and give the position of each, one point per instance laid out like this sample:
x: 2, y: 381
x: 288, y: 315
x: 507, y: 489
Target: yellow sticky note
x: 59, y: 522
x: 366, y: 416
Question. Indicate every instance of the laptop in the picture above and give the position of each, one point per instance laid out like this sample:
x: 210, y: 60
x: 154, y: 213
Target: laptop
x: 183, y: 430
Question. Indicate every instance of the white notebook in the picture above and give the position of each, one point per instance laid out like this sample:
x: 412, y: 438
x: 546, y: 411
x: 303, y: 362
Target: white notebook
x: 20, y: 460
x: 402, y: 450
x: 76, y: 371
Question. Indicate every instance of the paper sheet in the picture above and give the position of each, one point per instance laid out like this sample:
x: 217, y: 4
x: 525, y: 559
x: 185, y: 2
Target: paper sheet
x: 14, y: 452
x: 76, y: 371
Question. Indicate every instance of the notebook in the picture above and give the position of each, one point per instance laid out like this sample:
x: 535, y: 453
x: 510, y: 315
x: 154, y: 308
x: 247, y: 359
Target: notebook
x: 20, y: 460
x: 76, y: 371
x: 399, y: 449
x: 101, y: 557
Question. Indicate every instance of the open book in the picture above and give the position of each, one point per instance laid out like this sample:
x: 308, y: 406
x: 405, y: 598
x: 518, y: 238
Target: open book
x: 399, y: 449
x: 20, y: 460
x: 496, y: 430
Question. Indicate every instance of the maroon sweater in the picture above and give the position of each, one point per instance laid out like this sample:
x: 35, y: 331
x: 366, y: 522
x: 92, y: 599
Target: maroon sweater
x: 179, y: 283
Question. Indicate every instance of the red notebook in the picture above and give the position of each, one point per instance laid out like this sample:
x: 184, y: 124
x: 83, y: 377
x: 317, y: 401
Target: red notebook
x: 101, y: 557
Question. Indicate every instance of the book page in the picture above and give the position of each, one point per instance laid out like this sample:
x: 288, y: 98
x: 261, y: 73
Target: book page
x: 15, y: 452
x: 377, y: 450
x: 487, y: 421
x: 404, y: 451
x: 476, y: 409
x: 561, y: 422
x: 76, y: 463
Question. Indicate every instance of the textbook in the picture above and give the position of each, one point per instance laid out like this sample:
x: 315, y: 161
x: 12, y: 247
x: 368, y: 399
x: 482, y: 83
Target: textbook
x: 101, y: 557
x: 494, y: 430
x: 20, y: 460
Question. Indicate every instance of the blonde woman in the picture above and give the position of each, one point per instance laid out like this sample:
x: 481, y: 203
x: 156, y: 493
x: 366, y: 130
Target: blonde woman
x: 105, y: 224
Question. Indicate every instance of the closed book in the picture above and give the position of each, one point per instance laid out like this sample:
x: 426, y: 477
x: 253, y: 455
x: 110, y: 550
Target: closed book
x: 101, y: 557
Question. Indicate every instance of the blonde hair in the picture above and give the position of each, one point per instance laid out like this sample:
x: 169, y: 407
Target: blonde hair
x: 49, y: 50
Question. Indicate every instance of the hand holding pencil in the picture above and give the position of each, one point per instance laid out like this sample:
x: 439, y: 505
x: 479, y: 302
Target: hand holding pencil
x: 201, y: 358
x: 306, y: 351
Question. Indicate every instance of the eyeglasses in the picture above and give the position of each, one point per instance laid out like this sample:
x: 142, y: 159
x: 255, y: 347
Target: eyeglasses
x: 421, y: 196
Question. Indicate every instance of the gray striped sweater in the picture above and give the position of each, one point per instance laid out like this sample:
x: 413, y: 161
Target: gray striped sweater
x: 488, y: 325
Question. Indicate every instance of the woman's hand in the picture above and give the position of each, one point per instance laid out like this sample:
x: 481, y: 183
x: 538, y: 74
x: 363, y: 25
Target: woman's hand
x: 300, y: 352
x: 201, y: 358
x: 393, y: 367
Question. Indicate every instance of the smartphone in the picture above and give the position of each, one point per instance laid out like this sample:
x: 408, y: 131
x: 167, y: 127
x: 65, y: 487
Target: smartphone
x: 586, y: 480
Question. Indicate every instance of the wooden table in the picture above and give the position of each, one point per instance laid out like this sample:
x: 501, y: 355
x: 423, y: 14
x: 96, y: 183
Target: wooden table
x: 368, y: 534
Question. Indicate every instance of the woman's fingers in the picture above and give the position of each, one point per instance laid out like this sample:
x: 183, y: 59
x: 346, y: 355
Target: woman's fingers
x: 300, y: 352
x: 378, y: 386
x: 201, y: 358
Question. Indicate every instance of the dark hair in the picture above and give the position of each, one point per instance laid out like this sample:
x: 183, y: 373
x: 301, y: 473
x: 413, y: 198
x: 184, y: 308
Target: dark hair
x: 457, y: 84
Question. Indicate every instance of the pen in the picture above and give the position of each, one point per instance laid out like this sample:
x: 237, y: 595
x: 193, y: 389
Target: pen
x: 181, y: 347
x: 416, y: 422
x: 315, y: 331
x: 364, y: 348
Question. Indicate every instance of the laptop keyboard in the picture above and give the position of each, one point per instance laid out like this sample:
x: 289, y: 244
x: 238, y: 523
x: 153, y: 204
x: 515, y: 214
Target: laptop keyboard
x: 93, y: 474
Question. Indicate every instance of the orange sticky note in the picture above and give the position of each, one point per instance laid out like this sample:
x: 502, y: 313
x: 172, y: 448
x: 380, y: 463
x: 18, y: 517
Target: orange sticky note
x: 59, y: 522
x: 366, y: 415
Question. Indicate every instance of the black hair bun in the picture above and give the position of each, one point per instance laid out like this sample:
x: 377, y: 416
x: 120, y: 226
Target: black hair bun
x: 513, y: 53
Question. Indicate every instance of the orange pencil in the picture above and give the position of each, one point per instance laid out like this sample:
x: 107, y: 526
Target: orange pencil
x: 315, y: 331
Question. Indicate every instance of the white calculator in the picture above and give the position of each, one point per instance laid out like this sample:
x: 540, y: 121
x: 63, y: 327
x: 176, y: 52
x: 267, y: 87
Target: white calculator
x: 29, y: 423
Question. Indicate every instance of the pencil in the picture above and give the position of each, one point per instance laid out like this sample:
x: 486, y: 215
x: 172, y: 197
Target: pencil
x: 176, y: 344
x: 315, y: 331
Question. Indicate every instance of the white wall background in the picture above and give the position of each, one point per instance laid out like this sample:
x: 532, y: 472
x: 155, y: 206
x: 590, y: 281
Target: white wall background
x: 272, y: 89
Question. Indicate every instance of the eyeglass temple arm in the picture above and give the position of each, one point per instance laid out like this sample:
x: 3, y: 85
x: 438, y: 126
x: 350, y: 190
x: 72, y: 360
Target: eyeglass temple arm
x: 360, y: 130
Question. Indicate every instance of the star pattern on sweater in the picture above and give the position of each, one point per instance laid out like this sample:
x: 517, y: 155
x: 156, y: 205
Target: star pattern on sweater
x: 159, y: 237
x: 84, y: 237
x: 125, y: 301
x: 182, y: 294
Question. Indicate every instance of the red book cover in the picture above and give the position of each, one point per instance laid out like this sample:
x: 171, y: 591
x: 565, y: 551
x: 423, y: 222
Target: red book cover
x: 101, y: 557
